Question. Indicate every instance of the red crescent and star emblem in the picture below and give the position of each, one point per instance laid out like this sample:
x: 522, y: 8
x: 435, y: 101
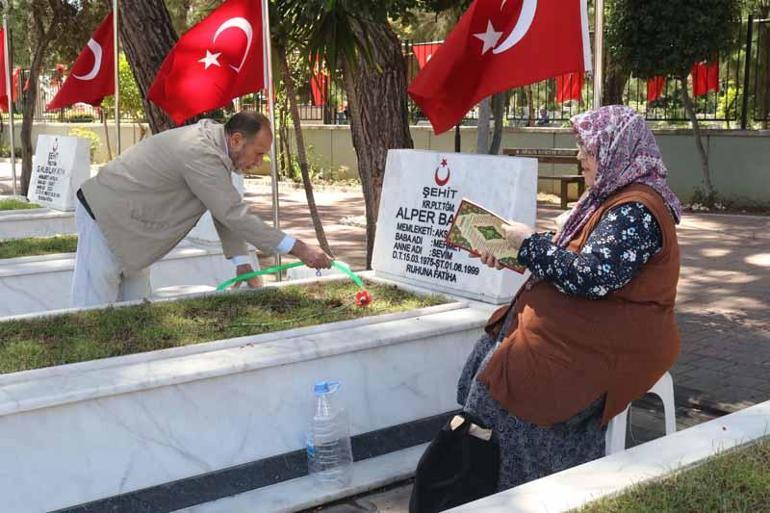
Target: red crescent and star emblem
x: 442, y: 181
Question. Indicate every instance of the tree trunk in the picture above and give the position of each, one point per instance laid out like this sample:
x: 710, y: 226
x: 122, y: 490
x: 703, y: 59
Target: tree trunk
x: 710, y: 192
x: 376, y: 94
x: 615, y: 80
x: 458, y: 139
x: 291, y: 95
x: 498, y: 113
x: 482, y: 128
x: 764, y: 48
x: 532, y: 108
x: 148, y: 36
x: 106, y: 134
x: 43, y: 37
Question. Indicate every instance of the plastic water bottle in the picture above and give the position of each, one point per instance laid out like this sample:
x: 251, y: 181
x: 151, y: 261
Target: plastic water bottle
x: 329, y: 456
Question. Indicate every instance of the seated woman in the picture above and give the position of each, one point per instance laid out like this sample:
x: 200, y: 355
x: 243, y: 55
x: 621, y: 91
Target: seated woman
x: 594, y: 327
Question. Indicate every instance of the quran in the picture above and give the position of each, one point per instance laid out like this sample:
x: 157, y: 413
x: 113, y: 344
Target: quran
x: 477, y: 230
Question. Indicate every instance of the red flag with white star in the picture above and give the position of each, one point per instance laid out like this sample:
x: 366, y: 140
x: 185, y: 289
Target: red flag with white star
x: 569, y: 87
x: 3, y: 68
x: 219, y: 59
x: 93, y: 74
x: 498, y: 45
x: 705, y: 77
x: 424, y: 52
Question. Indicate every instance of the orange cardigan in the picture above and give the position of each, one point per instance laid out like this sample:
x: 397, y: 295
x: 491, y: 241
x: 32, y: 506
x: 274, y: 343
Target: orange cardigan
x: 561, y: 352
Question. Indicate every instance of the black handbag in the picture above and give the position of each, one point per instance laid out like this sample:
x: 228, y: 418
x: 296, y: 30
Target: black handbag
x: 460, y: 465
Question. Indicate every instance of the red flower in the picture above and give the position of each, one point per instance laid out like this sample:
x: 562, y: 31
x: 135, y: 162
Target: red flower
x: 363, y: 298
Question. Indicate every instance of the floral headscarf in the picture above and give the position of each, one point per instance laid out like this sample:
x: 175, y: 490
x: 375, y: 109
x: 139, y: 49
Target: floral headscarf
x: 626, y: 153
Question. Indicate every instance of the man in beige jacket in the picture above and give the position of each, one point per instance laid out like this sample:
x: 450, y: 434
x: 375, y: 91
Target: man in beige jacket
x: 144, y: 202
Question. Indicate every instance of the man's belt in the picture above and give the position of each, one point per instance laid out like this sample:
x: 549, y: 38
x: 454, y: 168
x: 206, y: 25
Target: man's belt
x: 83, y: 202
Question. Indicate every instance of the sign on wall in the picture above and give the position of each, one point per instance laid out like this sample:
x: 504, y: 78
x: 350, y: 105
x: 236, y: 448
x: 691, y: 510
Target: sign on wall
x: 62, y: 164
x: 420, y: 195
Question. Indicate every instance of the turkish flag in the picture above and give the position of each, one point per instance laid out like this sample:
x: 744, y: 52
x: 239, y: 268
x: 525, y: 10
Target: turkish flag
x: 3, y: 70
x: 424, y: 52
x: 219, y: 59
x: 93, y: 74
x: 705, y: 77
x: 498, y: 45
x: 569, y: 87
x: 15, y: 86
x: 655, y: 87
x: 318, y: 84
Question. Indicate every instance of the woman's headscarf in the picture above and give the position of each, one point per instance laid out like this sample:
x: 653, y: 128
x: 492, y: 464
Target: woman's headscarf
x: 626, y: 152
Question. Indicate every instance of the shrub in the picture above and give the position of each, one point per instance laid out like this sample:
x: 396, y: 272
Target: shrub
x: 93, y: 139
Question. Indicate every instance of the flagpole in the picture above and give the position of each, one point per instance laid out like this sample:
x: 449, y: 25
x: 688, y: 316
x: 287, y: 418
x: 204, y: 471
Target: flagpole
x: 116, y: 54
x: 268, y: 65
x: 599, y: 62
x: 9, y: 92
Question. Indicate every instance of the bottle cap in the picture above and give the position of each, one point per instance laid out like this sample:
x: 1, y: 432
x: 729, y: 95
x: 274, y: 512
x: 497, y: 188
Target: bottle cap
x: 326, y: 387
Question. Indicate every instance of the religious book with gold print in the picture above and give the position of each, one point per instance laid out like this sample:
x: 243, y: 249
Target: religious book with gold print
x: 477, y: 230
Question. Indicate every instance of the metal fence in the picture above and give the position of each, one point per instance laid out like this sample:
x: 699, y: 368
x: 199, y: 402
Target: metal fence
x: 742, y: 98
x: 741, y: 101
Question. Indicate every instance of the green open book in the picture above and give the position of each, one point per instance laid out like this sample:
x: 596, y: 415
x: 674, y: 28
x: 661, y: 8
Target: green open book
x: 477, y: 230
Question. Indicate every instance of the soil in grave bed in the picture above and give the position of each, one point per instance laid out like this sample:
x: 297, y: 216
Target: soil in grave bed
x: 36, y: 246
x: 90, y: 335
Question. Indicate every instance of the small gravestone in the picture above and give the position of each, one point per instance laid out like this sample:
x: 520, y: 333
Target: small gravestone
x: 62, y: 164
x: 420, y: 195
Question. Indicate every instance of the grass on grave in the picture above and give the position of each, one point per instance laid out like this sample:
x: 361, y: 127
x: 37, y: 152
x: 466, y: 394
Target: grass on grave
x: 90, y: 335
x: 35, y: 246
x: 734, y: 482
x: 15, y: 204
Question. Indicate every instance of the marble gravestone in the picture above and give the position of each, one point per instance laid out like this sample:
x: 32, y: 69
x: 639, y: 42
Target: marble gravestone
x: 421, y: 192
x: 62, y: 164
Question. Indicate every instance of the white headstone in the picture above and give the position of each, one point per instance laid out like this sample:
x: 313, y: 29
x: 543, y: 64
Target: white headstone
x: 421, y: 192
x: 62, y: 164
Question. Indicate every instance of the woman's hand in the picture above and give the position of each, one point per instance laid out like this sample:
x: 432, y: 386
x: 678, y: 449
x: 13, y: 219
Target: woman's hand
x: 490, y: 261
x: 515, y: 233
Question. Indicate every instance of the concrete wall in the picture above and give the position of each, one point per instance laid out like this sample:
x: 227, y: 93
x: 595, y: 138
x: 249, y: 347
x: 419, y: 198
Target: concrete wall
x: 740, y: 160
x: 130, y: 134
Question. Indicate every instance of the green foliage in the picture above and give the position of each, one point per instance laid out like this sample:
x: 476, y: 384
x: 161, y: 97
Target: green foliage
x: 83, y: 336
x: 93, y: 139
x: 666, y: 37
x: 131, y: 105
x: 80, y: 117
x: 736, y: 481
x: 38, y: 246
x: 5, y: 151
x: 15, y: 204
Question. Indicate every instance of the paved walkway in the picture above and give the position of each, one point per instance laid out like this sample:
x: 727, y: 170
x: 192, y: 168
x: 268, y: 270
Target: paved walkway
x: 724, y: 292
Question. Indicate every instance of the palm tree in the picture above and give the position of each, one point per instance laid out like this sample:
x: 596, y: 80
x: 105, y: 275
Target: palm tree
x: 283, y: 31
x: 354, y: 37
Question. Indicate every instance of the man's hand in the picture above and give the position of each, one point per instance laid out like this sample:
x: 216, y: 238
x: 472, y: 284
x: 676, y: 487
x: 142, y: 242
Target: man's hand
x: 515, y: 233
x: 253, y: 283
x: 311, y: 256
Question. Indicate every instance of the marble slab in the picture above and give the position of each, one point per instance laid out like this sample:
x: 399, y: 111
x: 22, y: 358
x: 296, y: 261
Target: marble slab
x: 93, y: 433
x: 301, y: 494
x: 43, y: 283
x: 572, y: 488
x: 42, y: 222
x: 421, y: 192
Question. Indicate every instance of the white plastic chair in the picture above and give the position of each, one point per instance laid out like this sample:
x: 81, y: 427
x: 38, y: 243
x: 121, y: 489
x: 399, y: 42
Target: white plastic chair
x: 616, y: 430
